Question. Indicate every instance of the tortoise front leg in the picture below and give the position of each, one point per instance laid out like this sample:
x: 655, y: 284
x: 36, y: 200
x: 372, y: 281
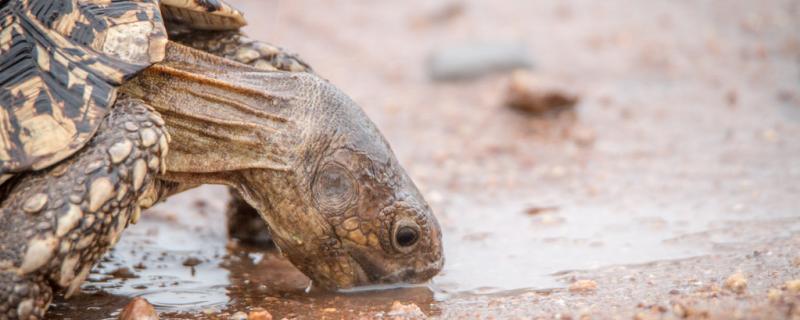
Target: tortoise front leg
x: 56, y: 224
x: 236, y: 46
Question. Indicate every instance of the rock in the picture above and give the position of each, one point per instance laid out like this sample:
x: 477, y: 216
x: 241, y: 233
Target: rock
x: 535, y: 211
x: 583, y: 136
x: 191, y: 262
x: 123, y: 273
x: 774, y: 295
x: 537, y: 96
x: 583, y: 286
x: 736, y: 283
x: 475, y: 60
x: 410, y: 310
x: 138, y: 309
x: 259, y: 314
x: 238, y: 316
x: 441, y: 14
x: 793, y: 286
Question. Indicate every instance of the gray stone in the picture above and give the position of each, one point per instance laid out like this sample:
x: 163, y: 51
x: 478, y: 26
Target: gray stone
x: 475, y: 60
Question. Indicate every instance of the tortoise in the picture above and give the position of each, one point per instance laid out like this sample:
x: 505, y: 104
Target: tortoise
x: 111, y: 106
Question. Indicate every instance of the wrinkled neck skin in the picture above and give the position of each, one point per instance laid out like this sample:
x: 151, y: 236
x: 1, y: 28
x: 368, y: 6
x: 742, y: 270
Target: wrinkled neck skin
x: 269, y: 135
x: 227, y: 120
x: 223, y: 117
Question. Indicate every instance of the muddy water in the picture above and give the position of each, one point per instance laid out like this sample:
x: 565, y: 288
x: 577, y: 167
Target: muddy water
x: 679, y: 166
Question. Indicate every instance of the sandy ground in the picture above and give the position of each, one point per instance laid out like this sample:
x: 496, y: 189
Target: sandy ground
x: 678, y: 169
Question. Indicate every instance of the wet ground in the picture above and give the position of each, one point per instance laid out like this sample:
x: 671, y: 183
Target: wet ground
x: 678, y: 168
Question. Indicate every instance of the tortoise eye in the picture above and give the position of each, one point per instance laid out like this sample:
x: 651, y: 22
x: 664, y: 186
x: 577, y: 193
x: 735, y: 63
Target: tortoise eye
x: 334, y: 188
x: 406, y: 235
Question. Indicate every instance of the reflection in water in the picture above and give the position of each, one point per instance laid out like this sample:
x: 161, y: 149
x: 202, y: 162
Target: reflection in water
x: 151, y: 262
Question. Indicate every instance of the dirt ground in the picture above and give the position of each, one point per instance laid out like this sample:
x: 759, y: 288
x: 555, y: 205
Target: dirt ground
x: 671, y: 190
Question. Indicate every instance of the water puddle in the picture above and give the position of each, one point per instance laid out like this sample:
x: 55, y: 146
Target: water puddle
x: 186, y: 267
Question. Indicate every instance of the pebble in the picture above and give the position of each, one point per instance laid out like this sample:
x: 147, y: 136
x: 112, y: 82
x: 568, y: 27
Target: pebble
x: 584, y: 137
x: 583, y: 286
x: 410, y: 310
x: 123, y: 273
x: 138, y: 309
x: 793, y: 286
x: 469, y: 61
x: 191, y: 262
x: 238, y: 316
x: 736, y: 283
x: 774, y: 295
x: 534, y: 95
x: 259, y: 314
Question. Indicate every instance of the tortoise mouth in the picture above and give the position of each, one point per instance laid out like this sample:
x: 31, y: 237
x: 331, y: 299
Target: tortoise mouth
x: 379, y: 270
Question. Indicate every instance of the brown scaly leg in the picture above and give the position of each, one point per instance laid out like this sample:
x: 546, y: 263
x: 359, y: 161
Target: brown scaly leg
x: 56, y: 224
x: 236, y: 46
x: 244, y: 222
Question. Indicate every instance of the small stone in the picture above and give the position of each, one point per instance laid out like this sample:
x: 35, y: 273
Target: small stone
x: 584, y: 137
x: 138, y: 309
x: 120, y: 151
x: 329, y: 310
x: 793, y: 286
x: 537, y: 96
x: 238, y: 316
x: 769, y: 135
x: 410, y: 310
x: 259, y: 314
x: 679, y: 310
x: 535, y: 211
x: 191, y: 262
x: 736, y: 283
x: 123, y: 273
x: 149, y: 137
x: 774, y: 295
x: 646, y: 316
x: 583, y: 286
x: 475, y: 60
x: 35, y: 203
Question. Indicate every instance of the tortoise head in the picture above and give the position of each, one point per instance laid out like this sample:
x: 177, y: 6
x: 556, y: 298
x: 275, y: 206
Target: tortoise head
x: 345, y: 212
x: 305, y: 156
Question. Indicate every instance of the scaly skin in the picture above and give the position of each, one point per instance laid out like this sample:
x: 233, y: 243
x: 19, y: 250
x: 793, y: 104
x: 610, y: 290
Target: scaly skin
x: 57, y: 223
x: 234, y: 45
x: 305, y: 156
x: 243, y: 221
x: 295, y: 148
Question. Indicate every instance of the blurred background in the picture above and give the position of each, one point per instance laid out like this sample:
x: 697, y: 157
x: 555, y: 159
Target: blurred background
x: 600, y: 159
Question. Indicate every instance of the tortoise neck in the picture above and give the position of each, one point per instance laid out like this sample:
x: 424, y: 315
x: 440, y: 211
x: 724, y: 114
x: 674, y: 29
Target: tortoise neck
x: 223, y: 117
